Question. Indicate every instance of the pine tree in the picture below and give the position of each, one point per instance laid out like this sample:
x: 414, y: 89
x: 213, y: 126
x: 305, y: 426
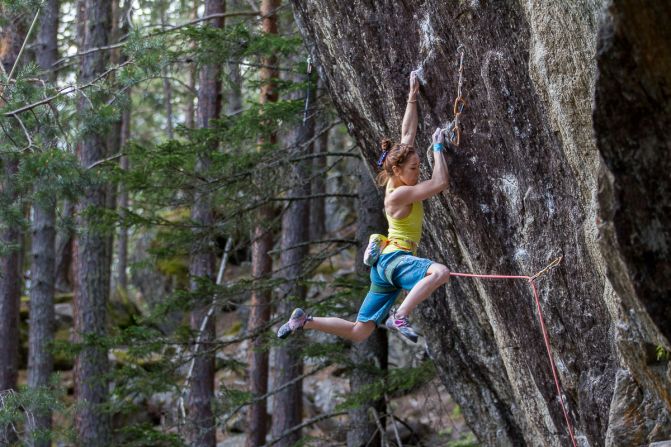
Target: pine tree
x: 287, y: 404
x: 201, y: 266
x: 12, y: 37
x: 370, y: 357
x: 41, y: 326
x: 262, y: 241
x: 92, y: 257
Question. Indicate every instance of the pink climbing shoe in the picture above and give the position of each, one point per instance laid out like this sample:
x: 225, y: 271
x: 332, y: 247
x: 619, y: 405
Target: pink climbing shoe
x: 402, y: 325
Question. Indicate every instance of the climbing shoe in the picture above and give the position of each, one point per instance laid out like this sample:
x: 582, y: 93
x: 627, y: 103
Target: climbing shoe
x: 376, y: 243
x: 402, y: 325
x: 296, y: 322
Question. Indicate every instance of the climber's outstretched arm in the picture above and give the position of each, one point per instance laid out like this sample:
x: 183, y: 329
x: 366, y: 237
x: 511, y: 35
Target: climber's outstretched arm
x: 404, y: 195
x: 409, y: 126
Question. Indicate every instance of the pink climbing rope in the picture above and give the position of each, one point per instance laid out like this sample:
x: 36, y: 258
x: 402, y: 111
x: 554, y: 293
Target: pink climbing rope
x: 531, y: 280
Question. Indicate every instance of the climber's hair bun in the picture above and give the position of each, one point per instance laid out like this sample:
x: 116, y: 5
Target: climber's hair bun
x: 393, y: 154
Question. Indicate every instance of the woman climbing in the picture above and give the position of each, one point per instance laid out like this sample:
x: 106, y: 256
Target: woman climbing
x: 397, y: 267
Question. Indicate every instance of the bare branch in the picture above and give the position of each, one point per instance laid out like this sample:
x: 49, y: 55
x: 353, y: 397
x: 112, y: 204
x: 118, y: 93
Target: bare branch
x: 23, y: 46
x: 307, y: 423
x: 275, y: 391
x: 312, y: 196
x: 393, y: 421
x: 105, y: 160
x: 203, y: 324
x: 324, y: 154
x: 25, y: 132
x: 385, y: 443
x: 308, y: 243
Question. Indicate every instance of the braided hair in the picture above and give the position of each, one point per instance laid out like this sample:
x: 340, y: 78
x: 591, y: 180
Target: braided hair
x: 393, y: 154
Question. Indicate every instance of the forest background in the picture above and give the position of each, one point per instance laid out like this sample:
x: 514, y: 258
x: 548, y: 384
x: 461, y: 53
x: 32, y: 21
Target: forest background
x: 174, y: 182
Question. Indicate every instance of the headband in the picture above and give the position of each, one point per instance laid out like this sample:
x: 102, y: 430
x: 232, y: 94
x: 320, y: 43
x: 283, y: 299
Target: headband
x: 382, y: 157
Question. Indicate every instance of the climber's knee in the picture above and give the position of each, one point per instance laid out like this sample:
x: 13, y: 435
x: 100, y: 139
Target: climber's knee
x: 361, y: 331
x: 439, y: 273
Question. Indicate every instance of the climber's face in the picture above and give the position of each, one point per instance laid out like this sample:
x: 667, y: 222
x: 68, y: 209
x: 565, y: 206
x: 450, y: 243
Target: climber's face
x: 408, y: 172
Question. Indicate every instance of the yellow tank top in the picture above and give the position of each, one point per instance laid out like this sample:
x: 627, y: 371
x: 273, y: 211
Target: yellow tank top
x: 407, y: 230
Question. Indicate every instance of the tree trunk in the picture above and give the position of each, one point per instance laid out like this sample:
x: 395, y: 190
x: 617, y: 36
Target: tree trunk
x: 288, y: 403
x: 114, y: 134
x: 10, y: 289
x: 317, y: 206
x: 201, y: 398
x: 11, y: 38
x: 92, y: 423
x: 189, y: 112
x: 234, y: 104
x: 43, y: 268
x: 64, y: 249
x: 122, y: 261
x: 553, y: 90
x: 167, y: 87
x: 370, y: 357
x: 262, y: 243
x: 234, y: 75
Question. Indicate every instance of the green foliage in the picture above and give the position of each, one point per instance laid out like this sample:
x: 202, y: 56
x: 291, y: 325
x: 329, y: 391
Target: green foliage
x: 397, y: 381
x: 662, y: 353
x: 233, y: 162
x: 17, y: 7
x: 17, y: 407
x: 238, y: 42
x: 51, y: 173
x: 467, y: 441
x: 146, y: 435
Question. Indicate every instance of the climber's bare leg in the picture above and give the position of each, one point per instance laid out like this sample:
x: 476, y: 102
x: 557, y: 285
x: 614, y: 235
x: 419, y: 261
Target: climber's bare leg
x: 354, y: 331
x: 436, y: 276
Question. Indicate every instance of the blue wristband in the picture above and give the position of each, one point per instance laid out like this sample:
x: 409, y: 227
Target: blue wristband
x: 438, y: 147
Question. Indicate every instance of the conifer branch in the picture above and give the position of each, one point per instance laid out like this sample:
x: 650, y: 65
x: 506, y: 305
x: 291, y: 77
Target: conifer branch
x: 67, y: 90
x: 7, y: 134
x: 166, y: 31
x: 203, y: 19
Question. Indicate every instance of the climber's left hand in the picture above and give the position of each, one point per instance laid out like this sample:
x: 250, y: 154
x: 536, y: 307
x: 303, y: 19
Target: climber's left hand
x: 438, y: 136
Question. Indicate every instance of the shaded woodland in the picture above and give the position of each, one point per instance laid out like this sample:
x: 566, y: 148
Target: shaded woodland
x: 179, y: 175
x: 175, y: 180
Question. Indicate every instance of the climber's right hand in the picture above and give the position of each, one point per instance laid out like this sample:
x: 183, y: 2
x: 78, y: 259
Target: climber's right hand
x: 414, y: 83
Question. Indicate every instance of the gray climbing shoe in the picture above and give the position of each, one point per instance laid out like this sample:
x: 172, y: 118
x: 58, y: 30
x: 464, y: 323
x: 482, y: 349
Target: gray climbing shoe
x: 296, y: 322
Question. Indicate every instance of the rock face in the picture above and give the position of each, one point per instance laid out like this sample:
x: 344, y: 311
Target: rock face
x: 565, y: 151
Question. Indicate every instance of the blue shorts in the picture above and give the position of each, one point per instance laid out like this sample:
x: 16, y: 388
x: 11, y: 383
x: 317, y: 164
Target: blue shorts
x: 392, y: 272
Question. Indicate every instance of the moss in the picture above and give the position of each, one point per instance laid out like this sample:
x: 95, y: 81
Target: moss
x: 176, y: 266
x: 234, y: 329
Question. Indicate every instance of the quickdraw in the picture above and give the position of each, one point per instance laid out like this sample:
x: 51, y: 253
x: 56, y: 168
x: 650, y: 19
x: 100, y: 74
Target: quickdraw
x: 307, y: 91
x: 453, y: 131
